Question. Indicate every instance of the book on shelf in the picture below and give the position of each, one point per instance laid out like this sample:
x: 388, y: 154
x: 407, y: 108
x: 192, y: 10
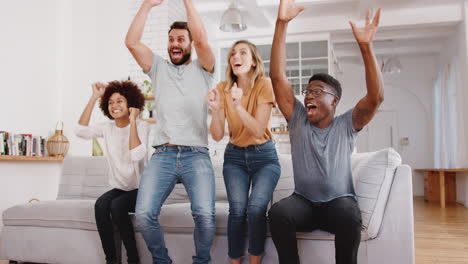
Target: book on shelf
x: 22, y: 144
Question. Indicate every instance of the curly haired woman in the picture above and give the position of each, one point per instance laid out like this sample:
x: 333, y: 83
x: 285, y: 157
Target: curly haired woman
x: 126, y: 141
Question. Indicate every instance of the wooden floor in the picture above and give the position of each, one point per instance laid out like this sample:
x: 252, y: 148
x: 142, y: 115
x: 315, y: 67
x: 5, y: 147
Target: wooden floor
x: 441, y: 235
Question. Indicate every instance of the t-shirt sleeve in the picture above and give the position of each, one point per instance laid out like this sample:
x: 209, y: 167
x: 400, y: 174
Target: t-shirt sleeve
x: 298, y: 115
x: 155, y: 67
x: 347, y: 120
x: 266, y: 95
x: 90, y: 132
x: 207, y: 76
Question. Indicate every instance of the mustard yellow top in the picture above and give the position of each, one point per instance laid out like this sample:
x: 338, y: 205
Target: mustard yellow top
x: 261, y: 93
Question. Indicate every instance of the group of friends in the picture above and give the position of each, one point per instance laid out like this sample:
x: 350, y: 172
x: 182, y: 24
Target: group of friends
x: 321, y: 144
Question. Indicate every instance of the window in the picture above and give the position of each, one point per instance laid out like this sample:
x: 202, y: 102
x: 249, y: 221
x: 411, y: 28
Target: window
x: 303, y: 60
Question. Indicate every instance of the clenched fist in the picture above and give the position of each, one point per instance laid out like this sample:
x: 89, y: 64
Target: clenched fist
x: 236, y: 94
x: 134, y: 113
x: 98, y: 89
x: 213, y: 100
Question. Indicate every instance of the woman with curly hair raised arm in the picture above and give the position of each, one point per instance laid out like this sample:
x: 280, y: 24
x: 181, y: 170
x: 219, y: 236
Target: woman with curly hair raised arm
x: 125, y: 149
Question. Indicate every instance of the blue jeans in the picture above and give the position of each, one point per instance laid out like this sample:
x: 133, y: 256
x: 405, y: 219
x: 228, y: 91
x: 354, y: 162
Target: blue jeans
x: 192, y: 167
x: 255, y: 166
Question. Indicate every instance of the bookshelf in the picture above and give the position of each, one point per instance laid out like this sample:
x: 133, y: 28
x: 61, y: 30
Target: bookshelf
x: 149, y: 97
x: 30, y: 158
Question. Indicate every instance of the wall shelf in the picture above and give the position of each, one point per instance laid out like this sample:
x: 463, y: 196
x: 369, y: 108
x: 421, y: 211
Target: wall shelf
x: 149, y: 120
x: 149, y: 97
x: 30, y: 158
x: 280, y: 132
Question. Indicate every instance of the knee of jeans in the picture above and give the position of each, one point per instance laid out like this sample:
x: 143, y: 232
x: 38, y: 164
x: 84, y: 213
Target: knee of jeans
x: 205, y: 219
x: 256, y: 212
x: 143, y: 218
x: 237, y: 210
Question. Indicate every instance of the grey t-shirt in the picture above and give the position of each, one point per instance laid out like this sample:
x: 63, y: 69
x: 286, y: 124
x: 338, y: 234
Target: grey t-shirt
x: 322, y: 157
x: 181, y: 111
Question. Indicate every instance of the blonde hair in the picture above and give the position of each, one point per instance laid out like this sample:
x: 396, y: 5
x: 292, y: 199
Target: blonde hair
x: 258, y: 69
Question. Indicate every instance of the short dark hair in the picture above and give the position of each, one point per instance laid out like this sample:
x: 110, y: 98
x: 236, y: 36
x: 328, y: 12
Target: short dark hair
x: 127, y: 89
x: 328, y: 79
x: 180, y: 25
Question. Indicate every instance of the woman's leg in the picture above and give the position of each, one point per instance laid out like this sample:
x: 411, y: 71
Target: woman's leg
x: 120, y: 208
x: 102, y: 213
x: 237, y: 183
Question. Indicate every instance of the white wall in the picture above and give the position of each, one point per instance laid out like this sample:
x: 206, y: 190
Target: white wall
x: 28, y: 93
x: 410, y: 95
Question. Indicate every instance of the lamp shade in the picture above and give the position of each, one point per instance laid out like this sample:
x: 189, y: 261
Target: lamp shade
x: 232, y: 20
x: 392, y: 66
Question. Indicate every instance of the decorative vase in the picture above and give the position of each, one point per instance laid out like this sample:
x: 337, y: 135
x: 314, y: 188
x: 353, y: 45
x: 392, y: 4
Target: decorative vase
x: 57, y: 144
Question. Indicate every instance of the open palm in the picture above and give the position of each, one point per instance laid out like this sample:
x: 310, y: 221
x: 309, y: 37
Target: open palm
x: 287, y: 10
x: 366, y: 34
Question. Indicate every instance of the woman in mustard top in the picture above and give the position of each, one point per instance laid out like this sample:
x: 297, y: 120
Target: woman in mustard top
x: 251, y: 163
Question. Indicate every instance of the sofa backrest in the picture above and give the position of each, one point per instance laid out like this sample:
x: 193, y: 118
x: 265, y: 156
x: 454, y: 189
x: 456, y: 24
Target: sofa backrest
x: 373, y: 174
x: 83, y: 178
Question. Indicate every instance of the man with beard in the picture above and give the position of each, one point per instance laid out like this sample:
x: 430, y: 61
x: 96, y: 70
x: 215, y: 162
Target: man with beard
x: 181, y: 134
x: 321, y: 147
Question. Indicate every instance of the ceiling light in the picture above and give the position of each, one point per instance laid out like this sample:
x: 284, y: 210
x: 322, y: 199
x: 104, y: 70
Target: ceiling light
x: 232, y: 19
x: 392, y: 66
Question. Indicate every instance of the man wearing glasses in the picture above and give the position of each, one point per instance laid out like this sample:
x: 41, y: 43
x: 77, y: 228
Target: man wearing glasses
x: 321, y: 147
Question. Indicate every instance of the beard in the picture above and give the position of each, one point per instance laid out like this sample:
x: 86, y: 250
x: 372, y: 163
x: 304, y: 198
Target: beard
x: 186, y: 54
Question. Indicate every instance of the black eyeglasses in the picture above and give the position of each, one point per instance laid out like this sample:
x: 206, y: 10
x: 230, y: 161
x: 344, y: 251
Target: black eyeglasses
x: 316, y: 92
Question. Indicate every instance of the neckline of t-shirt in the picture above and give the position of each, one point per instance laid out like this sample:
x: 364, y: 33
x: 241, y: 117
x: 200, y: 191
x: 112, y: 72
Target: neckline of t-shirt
x: 323, y: 129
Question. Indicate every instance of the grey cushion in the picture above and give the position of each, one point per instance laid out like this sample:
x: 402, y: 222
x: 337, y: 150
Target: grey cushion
x: 83, y: 178
x: 76, y: 214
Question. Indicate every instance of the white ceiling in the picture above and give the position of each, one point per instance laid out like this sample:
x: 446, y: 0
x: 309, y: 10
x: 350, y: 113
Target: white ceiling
x: 407, y: 26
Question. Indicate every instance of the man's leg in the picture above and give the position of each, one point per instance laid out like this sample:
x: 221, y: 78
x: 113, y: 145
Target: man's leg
x: 198, y: 178
x: 102, y: 213
x: 344, y: 220
x: 157, y: 182
x: 288, y: 216
x: 120, y: 208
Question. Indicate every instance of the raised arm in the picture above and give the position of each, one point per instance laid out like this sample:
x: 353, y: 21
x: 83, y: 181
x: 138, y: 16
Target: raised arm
x: 199, y: 37
x: 283, y: 91
x: 98, y: 91
x: 366, y: 108
x: 142, y: 54
x: 134, y: 140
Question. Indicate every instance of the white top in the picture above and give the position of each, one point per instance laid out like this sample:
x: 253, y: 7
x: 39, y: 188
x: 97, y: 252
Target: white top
x: 126, y: 165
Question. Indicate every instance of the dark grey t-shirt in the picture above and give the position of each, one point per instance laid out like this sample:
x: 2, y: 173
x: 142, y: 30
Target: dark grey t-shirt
x: 322, y: 157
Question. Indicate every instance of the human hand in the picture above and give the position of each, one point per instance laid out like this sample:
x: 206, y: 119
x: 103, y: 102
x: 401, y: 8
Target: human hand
x: 98, y: 89
x: 236, y: 94
x: 287, y: 11
x: 213, y: 99
x: 134, y: 113
x: 366, y: 34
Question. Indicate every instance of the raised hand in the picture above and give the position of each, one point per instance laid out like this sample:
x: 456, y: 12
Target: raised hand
x: 366, y: 34
x: 134, y: 113
x: 213, y: 100
x: 287, y: 11
x: 236, y: 94
x: 98, y: 89
x: 153, y: 3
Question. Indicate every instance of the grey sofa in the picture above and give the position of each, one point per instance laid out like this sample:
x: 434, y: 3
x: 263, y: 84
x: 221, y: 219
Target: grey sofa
x: 63, y: 231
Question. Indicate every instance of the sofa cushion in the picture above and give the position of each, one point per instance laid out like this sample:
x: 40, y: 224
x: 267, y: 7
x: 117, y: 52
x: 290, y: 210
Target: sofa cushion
x: 76, y: 214
x: 372, y: 175
x: 84, y: 178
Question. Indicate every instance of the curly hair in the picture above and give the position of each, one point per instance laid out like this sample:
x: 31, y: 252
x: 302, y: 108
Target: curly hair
x: 127, y: 89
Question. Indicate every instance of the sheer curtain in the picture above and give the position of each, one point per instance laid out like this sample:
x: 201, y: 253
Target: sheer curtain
x: 449, y: 136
